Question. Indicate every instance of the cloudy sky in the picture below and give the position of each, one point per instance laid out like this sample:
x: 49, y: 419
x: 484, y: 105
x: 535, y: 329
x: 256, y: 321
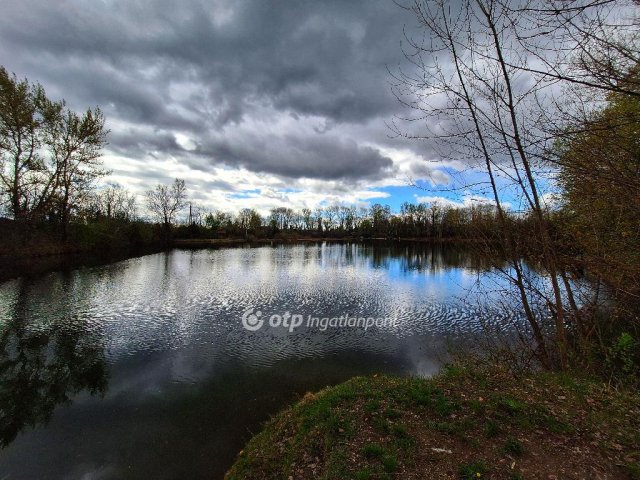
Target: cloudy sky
x: 254, y: 103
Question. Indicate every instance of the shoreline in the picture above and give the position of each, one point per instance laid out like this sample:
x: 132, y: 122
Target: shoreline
x: 467, y: 422
x: 42, y: 263
x: 42, y: 259
x: 213, y: 242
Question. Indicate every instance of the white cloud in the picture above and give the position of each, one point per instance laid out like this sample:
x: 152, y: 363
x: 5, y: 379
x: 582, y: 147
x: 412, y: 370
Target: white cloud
x: 186, y: 142
x: 467, y: 200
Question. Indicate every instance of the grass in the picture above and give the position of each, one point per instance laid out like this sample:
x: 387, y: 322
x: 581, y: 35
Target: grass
x: 372, y: 450
x: 492, y: 429
x: 466, y: 421
x: 473, y: 471
x: 390, y: 463
x: 513, y: 447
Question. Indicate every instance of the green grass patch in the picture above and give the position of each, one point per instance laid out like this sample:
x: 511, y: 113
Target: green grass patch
x: 365, y: 474
x: 473, y: 471
x: 373, y: 450
x: 513, y: 447
x: 390, y: 463
x: 399, y: 431
x: 404, y: 443
x: 392, y: 422
x: 382, y: 425
x: 492, y: 429
x: 392, y: 413
x: 633, y: 470
x: 421, y: 393
x: 372, y: 406
x: 511, y: 405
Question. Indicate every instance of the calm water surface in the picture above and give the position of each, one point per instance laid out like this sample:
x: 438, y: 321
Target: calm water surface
x: 142, y: 369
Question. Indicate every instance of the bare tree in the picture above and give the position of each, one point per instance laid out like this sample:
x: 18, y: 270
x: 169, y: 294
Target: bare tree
x: 307, y: 218
x: 248, y: 220
x: 332, y: 216
x: 164, y: 201
x: 590, y: 43
x: 482, y: 100
x: 282, y: 217
x: 318, y: 218
x: 113, y: 202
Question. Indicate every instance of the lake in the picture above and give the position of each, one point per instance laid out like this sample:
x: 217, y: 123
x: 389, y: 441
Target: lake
x: 154, y: 367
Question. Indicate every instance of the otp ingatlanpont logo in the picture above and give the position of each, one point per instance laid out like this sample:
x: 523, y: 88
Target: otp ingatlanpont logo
x: 252, y: 321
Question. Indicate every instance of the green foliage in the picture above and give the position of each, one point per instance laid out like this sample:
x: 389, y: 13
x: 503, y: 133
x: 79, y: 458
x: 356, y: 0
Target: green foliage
x: 492, y: 429
x: 422, y: 393
x: 622, y: 356
x: 633, y: 469
x: 392, y: 413
x: 390, y: 463
x: 364, y: 474
x: 542, y: 409
x: 453, y: 370
x: 511, y: 405
x: 382, y: 425
x: 443, y: 406
x: 373, y: 450
x: 113, y: 235
x: 372, y: 406
x: 600, y: 172
x: 472, y: 471
x: 404, y: 443
x: 399, y: 430
x: 49, y: 155
x: 513, y: 446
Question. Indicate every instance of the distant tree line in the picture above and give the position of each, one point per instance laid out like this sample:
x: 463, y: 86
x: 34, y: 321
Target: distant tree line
x: 435, y: 220
x: 50, y: 168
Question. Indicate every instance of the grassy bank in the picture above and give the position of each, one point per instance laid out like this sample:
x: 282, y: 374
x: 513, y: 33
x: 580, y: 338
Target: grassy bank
x: 468, y: 422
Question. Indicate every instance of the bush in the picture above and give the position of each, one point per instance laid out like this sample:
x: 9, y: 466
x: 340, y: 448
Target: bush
x: 622, y: 357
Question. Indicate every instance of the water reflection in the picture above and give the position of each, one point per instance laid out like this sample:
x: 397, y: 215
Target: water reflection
x: 424, y: 258
x: 187, y: 385
x: 43, y: 365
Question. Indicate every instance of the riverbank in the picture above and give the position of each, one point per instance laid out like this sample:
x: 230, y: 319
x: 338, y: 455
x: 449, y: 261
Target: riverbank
x: 39, y: 257
x: 226, y: 242
x: 468, y: 422
x: 30, y: 251
x: 44, y: 257
x: 13, y: 266
x: 214, y: 242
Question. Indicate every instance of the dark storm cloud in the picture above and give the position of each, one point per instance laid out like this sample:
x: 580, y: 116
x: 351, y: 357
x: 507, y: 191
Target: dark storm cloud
x: 202, y: 68
x: 138, y: 144
x: 322, y: 157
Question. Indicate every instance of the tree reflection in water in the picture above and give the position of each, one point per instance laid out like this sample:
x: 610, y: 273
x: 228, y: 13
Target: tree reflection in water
x: 425, y: 257
x: 43, y: 365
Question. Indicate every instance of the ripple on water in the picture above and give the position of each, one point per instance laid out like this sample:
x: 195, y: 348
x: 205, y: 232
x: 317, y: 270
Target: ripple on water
x: 195, y: 300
